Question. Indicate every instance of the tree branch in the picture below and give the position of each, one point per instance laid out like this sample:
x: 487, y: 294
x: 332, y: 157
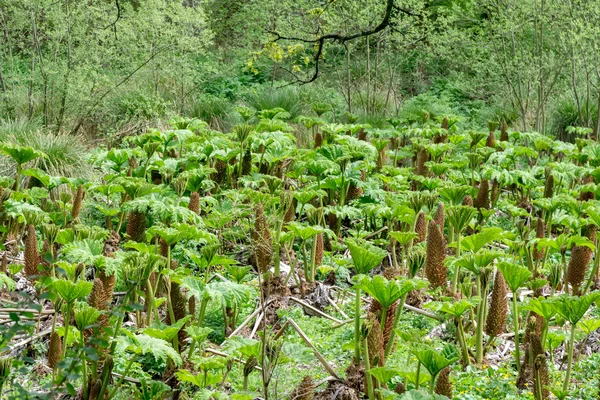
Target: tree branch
x: 336, y: 38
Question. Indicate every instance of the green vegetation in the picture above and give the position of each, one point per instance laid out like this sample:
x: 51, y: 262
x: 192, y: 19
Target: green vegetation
x: 348, y: 200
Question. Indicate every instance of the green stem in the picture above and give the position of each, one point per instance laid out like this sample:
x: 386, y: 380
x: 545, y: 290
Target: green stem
x: 432, y: 384
x: 357, y: 327
x: 122, y: 378
x: 84, y: 369
x: 150, y: 301
x: 457, y: 269
x: 480, y: 319
x: 570, y: 358
x: 391, y: 340
x: 383, y: 317
x: 516, y: 329
x: 418, y: 376
x: 592, y: 275
x: 313, y: 257
x: 463, y: 343
x: 66, y: 336
x: 368, y: 376
x: 202, y: 311
x: 305, y: 260
x: 172, y: 315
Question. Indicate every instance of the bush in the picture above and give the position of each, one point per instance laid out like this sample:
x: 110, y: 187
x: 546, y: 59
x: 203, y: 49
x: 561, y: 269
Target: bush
x: 414, y: 108
x: 138, y: 105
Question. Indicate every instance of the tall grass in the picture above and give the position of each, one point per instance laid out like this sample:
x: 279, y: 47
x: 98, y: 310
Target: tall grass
x: 66, y: 154
x: 565, y: 114
x: 218, y: 112
x: 289, y: 98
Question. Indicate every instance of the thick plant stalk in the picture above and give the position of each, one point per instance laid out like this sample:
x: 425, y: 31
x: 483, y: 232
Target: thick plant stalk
x: 368, y: 377
x: 390, y: 343
x: 504, y: 132
x: 570, y: 358
x: 516, y: 329
x: 375, y: 343
x: 481, y: 310
x: 549, y: 187
x: 540, y: 233
x: 463, y: 343
x: 422, y: 158
x: 246, y: 163
x: 318, y: 250
x: 66, y: 325
x: 357, y: 327
x: 108, y: 282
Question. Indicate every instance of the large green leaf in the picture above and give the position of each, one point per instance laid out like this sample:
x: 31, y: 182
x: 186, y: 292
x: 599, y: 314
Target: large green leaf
x: 474, y: 262
x: 433, y: 360
x: 384, y: 374
x: 304, y: 232
x: 455, y: 308
x: 166, y: 332
x: 573, y: 308
x: 514, y: 274
x: 144, y: 344
x: 476, y: 242
x: 70, y: 291
x: 542, y: 308
x: 365, y: 256
x: 85, y: 315
x: 20, y: 154
x: 403, y: 237
x: 388, y: 292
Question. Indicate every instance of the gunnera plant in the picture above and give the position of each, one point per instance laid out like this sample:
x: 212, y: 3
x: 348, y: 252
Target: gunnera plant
x: 32, y: 257
x: 443, y: 386
x: 439, y: 216
x: 54, y: 350
x: 578, y: 266
x: 136, y: 226
x: 421, y: 228
x: 261, y: 240
x: 194, y: 203
x: 435, y: 270
x: 77, y: 201
x: 498, y: 310
x: 482, y: 201
x: 305, y: 389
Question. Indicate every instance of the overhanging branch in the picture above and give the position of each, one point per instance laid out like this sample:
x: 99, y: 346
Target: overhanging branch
x: 335, y: 38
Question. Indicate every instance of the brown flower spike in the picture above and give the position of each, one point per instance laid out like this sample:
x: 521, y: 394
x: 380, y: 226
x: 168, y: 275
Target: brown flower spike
x: 435, y: 270
x: 496, y: 318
